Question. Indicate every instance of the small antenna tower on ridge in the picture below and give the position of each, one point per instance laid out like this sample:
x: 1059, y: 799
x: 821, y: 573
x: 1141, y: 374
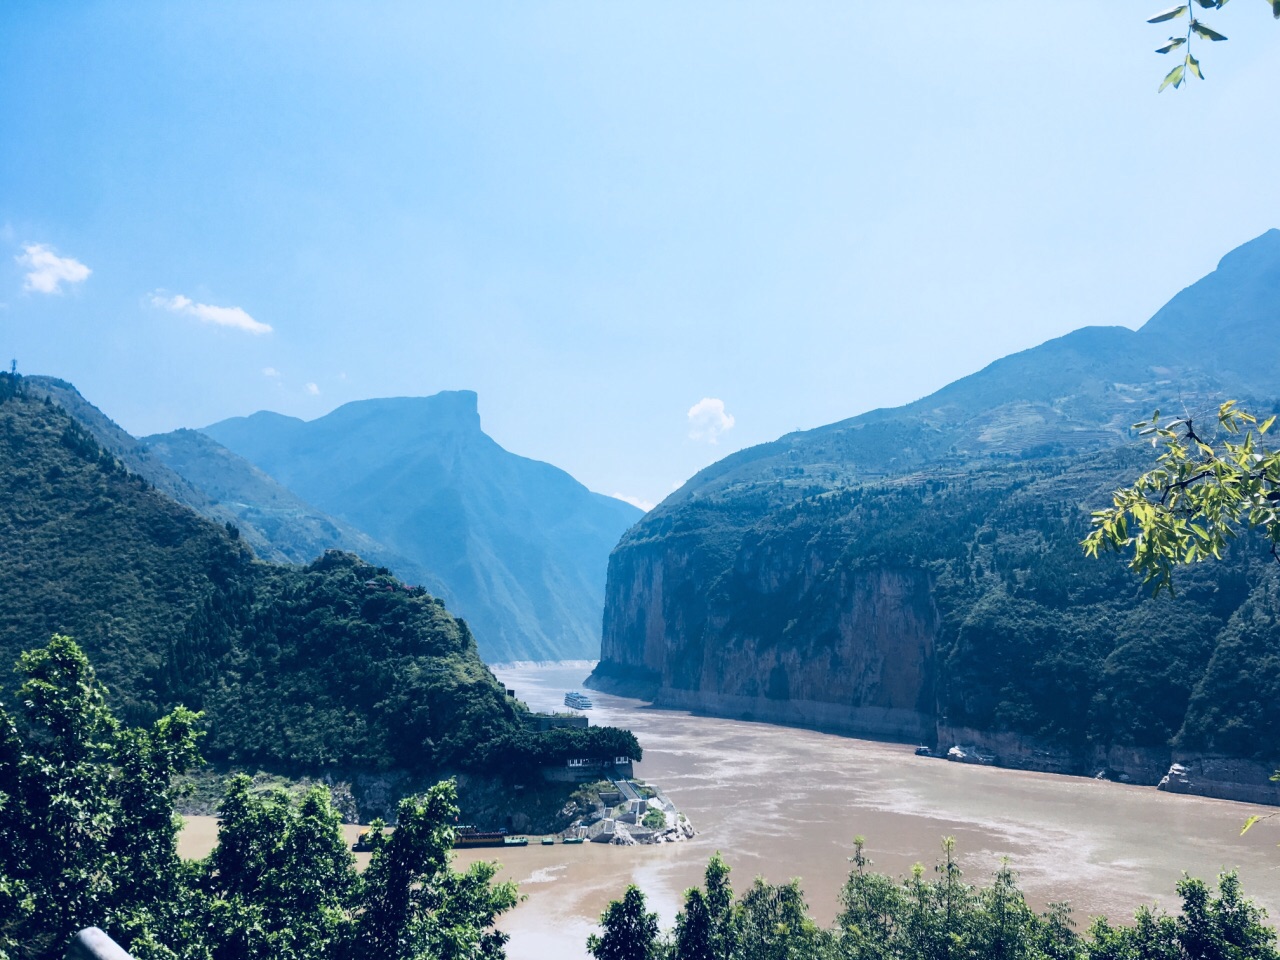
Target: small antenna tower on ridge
x: 13, y: 365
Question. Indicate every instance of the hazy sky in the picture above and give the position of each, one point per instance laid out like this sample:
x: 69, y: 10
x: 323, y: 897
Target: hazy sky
x: 648, y: 234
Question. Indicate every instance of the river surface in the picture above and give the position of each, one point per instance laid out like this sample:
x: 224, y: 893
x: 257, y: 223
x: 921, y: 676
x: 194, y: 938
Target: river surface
x: 781, y: 802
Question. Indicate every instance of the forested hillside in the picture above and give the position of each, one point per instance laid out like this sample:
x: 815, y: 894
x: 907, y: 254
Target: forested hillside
x: 336, y: 665
x: 918, y: 573
x: 197, y: 472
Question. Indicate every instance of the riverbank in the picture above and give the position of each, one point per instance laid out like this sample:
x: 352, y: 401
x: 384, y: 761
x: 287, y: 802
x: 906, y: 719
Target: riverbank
x: 542, y: 808
x: 1165, y: 769
x: 1217, y: 777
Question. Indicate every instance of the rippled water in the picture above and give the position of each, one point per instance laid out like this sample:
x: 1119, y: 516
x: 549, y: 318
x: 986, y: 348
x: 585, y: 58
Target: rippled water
x: 782, y: 803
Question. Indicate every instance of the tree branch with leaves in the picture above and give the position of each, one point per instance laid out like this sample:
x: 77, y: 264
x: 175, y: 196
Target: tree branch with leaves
x: 1204, y: 491
x: 1196, y: 29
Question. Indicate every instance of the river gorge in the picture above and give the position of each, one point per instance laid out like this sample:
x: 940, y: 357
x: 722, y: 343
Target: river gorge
x: 783, y: 802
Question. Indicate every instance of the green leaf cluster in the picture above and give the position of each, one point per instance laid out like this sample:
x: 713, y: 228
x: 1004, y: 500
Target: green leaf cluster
x: 1202, y: 492
x: 1196, y: 28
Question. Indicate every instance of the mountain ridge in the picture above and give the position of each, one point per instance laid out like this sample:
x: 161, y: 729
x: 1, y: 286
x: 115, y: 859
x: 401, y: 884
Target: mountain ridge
x: 756, y: 589
x: 518, y: 546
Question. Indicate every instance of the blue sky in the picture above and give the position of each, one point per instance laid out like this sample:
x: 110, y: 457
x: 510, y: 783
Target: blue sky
x: 646, y: 234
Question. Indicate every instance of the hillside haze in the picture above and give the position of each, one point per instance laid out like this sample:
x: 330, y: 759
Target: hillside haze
x: 275, y: 521
x: 1077, y: 393
x: 330, y: 666
x: 517, y: 547
x: 201, y: 474
x: 916, y: 572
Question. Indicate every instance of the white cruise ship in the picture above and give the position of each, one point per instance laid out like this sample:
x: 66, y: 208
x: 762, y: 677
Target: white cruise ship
x: 579, y: 701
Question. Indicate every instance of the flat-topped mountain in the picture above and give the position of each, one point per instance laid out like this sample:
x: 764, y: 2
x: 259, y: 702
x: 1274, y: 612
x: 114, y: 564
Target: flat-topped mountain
x: 516, y: 546
x: 916, y: 572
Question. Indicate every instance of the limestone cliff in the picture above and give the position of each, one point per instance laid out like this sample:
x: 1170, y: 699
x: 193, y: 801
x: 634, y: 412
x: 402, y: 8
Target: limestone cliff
x: 857, y: 656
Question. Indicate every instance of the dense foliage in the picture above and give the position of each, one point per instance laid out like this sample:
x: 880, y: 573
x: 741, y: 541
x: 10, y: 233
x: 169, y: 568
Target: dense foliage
x: 922, y: 917
x: 529, y: 750
x: 1032, y: 636
x: 90, y: 838
x: 332, y: 666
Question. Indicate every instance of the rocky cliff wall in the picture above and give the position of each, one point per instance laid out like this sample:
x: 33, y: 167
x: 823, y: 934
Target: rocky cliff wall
x: 784, y: 637
x: 783, y: 634
x: 1140, y: 765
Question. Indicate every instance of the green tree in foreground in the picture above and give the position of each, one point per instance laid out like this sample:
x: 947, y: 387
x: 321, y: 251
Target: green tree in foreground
x: 707, y: 928
x: 90, y: 839
x: 931, y: 917
x: 86, y: 811
x: 630, y: 932
x: 1203, y: 492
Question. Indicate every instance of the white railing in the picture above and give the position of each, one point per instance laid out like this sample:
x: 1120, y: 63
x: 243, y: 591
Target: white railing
x: 92, y: 944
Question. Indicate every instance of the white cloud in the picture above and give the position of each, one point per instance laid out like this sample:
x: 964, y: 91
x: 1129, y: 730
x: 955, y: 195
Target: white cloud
x: 707, y: 420
x: 313, y: 389
x: 645, y: 505
x: 270, y: 372
x: 233, y: 317
x: 46, y: 271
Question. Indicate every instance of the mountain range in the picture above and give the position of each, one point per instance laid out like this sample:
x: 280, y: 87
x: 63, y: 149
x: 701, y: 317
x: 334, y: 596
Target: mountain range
x: 297, y: 668
x: 916, y: 572
x: 516, y: 546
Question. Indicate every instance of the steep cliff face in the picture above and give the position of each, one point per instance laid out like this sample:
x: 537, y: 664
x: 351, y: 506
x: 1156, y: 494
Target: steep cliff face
x: 855, y: 651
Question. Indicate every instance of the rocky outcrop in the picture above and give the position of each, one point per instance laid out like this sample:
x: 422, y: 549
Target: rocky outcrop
x: 1225, y: 777
x: 864, y: 665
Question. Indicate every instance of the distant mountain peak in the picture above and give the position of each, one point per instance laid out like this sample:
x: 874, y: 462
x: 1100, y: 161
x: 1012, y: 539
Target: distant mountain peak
x: 519, y: 546
x: 445, y: 412
x: 1240, y: 298
x: 1260, y: 253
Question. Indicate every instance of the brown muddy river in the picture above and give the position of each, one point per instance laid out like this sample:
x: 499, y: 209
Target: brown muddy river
x: 781, y: 803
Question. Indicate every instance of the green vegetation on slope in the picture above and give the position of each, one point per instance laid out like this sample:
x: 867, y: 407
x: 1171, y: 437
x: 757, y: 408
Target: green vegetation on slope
x: 335, y: 666
x: 1032, y: 636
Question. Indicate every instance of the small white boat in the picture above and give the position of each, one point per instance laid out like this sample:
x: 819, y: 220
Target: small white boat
x: 576, y: 700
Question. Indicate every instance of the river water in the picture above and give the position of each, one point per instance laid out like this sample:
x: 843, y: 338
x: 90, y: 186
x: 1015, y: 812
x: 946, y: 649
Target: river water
x: 781, y: 802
